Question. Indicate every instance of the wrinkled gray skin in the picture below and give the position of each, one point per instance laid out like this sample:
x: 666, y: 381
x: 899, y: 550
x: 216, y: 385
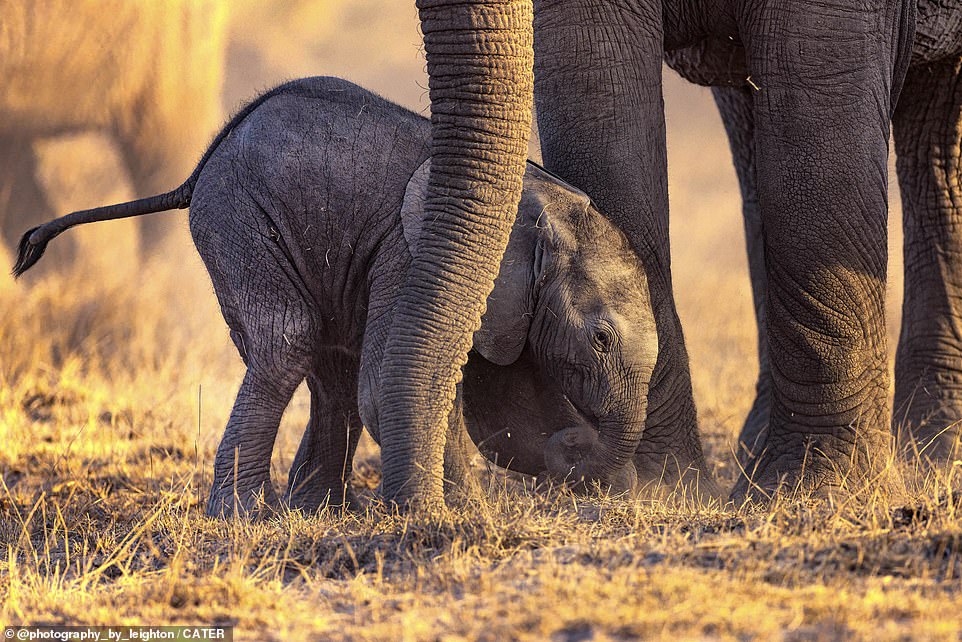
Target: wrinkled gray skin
x: 306, y: 217
x: 147, y: 74
x: 307, y: 211
x: 829, y: 73
x: 928, y: 129
x: 479, y: 60
x: 599, y: 79
x: 323, y: 274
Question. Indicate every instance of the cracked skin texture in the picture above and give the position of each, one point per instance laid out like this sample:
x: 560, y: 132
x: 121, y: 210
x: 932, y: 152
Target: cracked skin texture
x: 304, y: 276
x: 926, y: 123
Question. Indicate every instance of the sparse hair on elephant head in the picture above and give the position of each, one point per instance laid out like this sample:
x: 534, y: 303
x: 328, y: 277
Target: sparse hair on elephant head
x: 567, y: 343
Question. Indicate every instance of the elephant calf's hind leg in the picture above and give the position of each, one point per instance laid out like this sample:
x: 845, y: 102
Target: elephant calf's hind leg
x: 242, y: 464
x: 321, y: 472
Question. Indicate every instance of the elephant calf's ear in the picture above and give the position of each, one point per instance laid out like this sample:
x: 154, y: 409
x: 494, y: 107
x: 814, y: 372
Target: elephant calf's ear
x: 505, y: 323
x: 504, y: 326
x: 412, y: 209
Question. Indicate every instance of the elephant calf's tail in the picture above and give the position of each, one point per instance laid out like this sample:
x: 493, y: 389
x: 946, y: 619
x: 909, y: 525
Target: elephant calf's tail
x: 34, y: 241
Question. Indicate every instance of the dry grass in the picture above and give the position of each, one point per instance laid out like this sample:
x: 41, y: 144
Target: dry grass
x: 114, y: 389
x: 111, y: 401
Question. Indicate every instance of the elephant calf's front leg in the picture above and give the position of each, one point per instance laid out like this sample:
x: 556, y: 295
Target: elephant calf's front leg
x: 243, y: 460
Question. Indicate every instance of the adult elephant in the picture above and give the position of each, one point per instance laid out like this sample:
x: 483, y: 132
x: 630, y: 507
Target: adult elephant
x: 829, y: 75
x: 480, y: 57
x: 927, y: 129
x: 147, y: 74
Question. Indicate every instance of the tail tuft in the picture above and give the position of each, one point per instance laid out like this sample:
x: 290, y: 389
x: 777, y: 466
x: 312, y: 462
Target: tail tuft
x: 29, y: 252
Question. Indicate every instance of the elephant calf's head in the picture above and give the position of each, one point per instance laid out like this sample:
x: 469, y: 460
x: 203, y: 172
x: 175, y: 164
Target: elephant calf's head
x: 557, y: 382
x: 558, y: 378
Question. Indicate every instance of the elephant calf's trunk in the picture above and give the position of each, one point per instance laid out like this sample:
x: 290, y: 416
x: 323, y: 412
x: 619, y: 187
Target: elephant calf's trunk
x: 570, y: 456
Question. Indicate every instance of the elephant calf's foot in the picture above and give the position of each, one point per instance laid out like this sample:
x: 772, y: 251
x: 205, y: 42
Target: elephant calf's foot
x: 251, y: 501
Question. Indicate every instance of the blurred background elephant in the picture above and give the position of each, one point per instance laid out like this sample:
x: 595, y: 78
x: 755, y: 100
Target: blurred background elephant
x: 102, y: 100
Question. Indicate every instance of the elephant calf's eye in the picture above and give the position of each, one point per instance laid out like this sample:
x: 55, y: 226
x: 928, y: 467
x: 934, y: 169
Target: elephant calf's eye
x: 603, y: 339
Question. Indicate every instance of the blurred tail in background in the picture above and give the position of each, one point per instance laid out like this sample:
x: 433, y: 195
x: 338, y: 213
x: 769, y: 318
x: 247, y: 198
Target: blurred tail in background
x: 145, y: 77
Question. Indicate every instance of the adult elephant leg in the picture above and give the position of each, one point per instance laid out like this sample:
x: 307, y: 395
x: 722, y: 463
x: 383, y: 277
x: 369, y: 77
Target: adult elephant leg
x: 928, y: 364
x: 320, y: 474
x: 601, y: 120
x: 23, y: 203
x: 827, y: 76
x: 479, y: 63
x: 736, y: 106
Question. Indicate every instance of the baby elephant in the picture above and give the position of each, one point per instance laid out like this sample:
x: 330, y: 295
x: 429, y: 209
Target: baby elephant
x: 306, y: 210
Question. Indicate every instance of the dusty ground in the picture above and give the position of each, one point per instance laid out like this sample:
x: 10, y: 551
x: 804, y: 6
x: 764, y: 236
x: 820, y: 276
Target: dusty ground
x: 115, y: 384
x: 111, y: 401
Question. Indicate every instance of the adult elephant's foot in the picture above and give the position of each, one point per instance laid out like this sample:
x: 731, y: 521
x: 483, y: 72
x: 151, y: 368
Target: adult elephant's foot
x: 310, y: 499
x: 754, y: 431
x: 799, y: 464
x: 253, y: 500
x: 928, y: 364
x: 928, y: 417
x: 670, y: 457
x: 661, y: 475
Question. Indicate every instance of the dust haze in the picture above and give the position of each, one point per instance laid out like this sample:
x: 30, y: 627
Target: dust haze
x: 117, y: 376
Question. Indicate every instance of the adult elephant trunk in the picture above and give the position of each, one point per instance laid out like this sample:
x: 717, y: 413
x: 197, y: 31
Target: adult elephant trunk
x: 480, y: 56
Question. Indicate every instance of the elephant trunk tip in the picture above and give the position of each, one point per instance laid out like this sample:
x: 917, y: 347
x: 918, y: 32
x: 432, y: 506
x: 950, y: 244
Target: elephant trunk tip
x: 572, y: 455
